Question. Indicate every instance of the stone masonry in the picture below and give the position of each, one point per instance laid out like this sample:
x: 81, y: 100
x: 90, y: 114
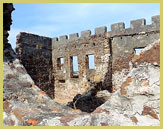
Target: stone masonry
x: 35, y: 54
x: 49, y: 61
x: 135, y: 103
x: 78, y: 83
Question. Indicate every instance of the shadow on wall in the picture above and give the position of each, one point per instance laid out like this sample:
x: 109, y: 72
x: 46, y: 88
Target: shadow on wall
x: 88, y: 101
x: 107, y: 83
x: 41, y: 72
x: 35, y: 53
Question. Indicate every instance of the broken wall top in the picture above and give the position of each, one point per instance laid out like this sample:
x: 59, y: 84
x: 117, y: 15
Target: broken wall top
x: 33, y: 40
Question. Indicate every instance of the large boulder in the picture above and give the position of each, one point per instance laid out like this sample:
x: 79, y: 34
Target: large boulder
x: 137, y: 101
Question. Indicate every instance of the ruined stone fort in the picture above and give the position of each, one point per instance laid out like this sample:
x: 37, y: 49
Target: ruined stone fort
x: 49, y: 61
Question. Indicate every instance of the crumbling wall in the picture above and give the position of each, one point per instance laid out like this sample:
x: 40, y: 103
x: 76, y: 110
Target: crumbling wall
x: 113, y: 52
x: 125, y: 40
x: 136, y: 104
x: 66, y: 85
x: 35, y: 54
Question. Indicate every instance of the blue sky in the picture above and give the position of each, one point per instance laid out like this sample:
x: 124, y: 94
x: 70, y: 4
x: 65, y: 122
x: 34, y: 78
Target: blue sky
x: 54, y: 20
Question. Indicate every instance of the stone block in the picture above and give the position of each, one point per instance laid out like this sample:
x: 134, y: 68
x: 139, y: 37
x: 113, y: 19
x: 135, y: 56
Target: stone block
x: 85, y: 33
x: 63, y: 38
x: 118, y: 26
x: 135, y: 24
x: 100, y: 30
x: 156, y: 20
x: 74, y: 36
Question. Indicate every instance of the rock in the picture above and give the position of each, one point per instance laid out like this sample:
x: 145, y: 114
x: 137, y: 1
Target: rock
x: 134, y: 119
x: 149, y: 111
x: 135, y: 101
x: 32, y: 122
x: 103, y: 94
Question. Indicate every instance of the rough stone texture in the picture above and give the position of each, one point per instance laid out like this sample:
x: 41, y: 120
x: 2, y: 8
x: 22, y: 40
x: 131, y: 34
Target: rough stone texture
x: 152, y: 49
x: 96, y: 45
x: 112, y: 50
x: 35, y: 54
x: 140, y: 106
x: 20, y: 94
x: 88, y: 101
x: 135, y: 103
x: 123, y: 48
x: 139, y: 95
x: 24, y: 102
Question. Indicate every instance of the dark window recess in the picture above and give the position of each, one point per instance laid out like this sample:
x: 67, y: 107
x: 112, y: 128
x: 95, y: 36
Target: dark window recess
x: 74, y: 67
x: 62, y: 81
x: 90, y: 62
x: 138, y: 50
x: 60, y: 63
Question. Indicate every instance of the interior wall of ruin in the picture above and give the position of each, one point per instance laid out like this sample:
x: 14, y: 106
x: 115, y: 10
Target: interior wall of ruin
x: 66, y: 84
x: 113, y: 51
x: 35, y: 54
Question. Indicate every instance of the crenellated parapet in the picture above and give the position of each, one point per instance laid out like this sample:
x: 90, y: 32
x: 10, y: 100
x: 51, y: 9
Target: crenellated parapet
x: 50, y: 61
x: 136, y: 27
x: 117, y: 29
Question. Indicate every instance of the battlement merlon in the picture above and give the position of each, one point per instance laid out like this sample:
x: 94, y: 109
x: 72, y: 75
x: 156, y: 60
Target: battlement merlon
x: 156, y: 21
x: 117, y: 29
x: 85, y: 33
x: 100, y: 30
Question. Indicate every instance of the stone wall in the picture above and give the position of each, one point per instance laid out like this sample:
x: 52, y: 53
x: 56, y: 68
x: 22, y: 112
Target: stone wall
x: 124, y: 41
x: 97, y: 45
x: 137, y: 103
x: 112, y: 52
x: 35, y: 54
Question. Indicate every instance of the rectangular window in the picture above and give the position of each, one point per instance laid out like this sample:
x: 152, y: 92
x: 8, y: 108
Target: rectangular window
x: 60, y: 63
x: 90, y: 62
x: 62, y: 60
x: 74, y: 66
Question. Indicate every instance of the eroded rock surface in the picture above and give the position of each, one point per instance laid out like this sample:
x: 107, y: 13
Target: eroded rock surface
x: 136, y: 101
